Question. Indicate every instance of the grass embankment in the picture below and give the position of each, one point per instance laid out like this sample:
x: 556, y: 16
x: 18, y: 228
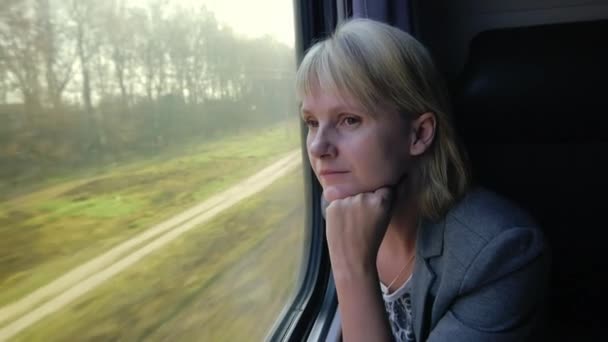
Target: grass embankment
x: 47, y: 232
x: 224, y: 281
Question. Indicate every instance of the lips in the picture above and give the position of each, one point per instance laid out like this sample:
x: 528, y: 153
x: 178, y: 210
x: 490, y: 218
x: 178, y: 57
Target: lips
x: 331, y: 172
x: 330, y: 176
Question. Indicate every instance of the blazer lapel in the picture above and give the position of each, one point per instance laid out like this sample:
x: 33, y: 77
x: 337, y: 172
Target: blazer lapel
x: 421, y: 283
x: 429, y: 244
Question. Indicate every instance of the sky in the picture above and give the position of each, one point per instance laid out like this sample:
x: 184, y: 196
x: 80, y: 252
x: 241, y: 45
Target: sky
x: 251, y: 18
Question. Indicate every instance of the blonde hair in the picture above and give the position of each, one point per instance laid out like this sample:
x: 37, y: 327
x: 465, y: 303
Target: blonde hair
x: 380, y: 65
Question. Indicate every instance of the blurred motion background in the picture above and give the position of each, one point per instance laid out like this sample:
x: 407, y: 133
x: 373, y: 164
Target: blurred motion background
x: 150, y: 169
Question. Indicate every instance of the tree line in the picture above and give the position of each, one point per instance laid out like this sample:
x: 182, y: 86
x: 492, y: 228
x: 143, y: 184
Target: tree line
x: 84, y: 80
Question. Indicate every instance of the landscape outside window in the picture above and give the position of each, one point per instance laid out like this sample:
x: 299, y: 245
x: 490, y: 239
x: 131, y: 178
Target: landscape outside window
x: 151, y: 185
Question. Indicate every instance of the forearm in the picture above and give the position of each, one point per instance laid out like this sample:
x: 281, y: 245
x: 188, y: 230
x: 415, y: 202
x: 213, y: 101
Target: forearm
x: 355, y: 228
x: 361, y: 307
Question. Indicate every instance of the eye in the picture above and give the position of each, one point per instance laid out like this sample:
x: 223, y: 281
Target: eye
x: 311, y: 123
x: 351, y: 120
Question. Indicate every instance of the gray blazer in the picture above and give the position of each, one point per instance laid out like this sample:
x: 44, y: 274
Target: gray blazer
x: 480, y: 273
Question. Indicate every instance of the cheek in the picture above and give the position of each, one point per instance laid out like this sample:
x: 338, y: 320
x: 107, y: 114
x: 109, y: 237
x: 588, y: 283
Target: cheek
x: 361, y: 156
x: 310, y: 157
x: 378, y: 162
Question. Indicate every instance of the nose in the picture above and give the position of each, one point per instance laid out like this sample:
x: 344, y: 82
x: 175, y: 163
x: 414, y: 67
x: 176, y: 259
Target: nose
x: 321, y: 144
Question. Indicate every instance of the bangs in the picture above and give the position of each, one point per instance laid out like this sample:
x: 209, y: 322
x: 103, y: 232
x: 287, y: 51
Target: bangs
x: 374, y: 65
x: 328, y: 69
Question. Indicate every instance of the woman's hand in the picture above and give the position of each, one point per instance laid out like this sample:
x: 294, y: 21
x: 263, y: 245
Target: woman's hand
x: 355, y: 228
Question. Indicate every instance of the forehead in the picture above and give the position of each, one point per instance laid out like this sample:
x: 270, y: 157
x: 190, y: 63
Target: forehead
x: 325, y: 101
x: 332, y: 102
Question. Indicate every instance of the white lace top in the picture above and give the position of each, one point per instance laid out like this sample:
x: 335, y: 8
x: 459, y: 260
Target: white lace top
x: 399, y: 309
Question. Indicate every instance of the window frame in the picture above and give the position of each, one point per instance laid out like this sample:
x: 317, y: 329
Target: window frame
x: 311, y: 311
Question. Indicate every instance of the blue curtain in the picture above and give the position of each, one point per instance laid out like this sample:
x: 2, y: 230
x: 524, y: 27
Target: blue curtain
x: 393, y: 12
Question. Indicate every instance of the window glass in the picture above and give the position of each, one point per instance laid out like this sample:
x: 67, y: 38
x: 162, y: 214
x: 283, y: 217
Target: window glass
x: 151, y: 184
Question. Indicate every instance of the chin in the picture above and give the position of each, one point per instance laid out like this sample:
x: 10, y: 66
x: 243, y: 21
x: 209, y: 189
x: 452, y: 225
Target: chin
x: 332, y: 193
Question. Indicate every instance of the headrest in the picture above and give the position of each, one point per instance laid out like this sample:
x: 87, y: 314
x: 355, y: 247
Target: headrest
x: 540, y: 84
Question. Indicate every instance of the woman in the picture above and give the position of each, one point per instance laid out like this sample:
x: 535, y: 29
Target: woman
x: 416, y: 253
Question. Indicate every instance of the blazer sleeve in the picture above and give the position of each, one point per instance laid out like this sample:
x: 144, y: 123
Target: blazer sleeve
x: 501, y: 294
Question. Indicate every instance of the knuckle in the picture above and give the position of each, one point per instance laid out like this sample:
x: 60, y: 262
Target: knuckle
x: 384, y: 196
x: 340, y: 204
x: 372, y: 200
x: 385, y: 200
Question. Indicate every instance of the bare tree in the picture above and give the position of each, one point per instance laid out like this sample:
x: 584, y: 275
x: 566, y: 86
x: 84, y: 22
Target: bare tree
x: 86, y: 34
x: 56, y: 51
x: 119, y: 36
x: 176, y: 37
x: 153, y: 50
x: 19, y: 54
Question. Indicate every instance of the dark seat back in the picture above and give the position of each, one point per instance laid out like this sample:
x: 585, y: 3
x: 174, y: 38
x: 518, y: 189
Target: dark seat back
x: 532, y: 108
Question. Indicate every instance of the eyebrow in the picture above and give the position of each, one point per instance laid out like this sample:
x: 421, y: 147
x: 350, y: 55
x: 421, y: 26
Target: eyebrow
x: 335, y: 109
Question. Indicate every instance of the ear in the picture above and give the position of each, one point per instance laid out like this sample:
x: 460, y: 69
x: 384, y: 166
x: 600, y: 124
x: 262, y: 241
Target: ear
x: 422, y: 133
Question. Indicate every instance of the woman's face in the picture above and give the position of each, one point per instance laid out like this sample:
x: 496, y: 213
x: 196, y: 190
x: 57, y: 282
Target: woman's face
x: 352, y: 151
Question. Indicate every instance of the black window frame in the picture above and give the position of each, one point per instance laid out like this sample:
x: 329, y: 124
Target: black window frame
x: 316, y: 299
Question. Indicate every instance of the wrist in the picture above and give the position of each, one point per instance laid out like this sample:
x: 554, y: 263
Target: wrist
x: 355, y: 274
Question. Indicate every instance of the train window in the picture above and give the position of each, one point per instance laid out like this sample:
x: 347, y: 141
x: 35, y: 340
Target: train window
x: 151, y: 178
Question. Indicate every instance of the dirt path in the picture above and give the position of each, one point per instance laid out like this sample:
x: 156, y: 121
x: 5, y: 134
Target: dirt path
x: 84, y: 278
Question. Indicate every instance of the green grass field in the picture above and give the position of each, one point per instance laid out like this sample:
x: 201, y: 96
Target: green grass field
x: 226, y: 280
x: 47, y: 232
